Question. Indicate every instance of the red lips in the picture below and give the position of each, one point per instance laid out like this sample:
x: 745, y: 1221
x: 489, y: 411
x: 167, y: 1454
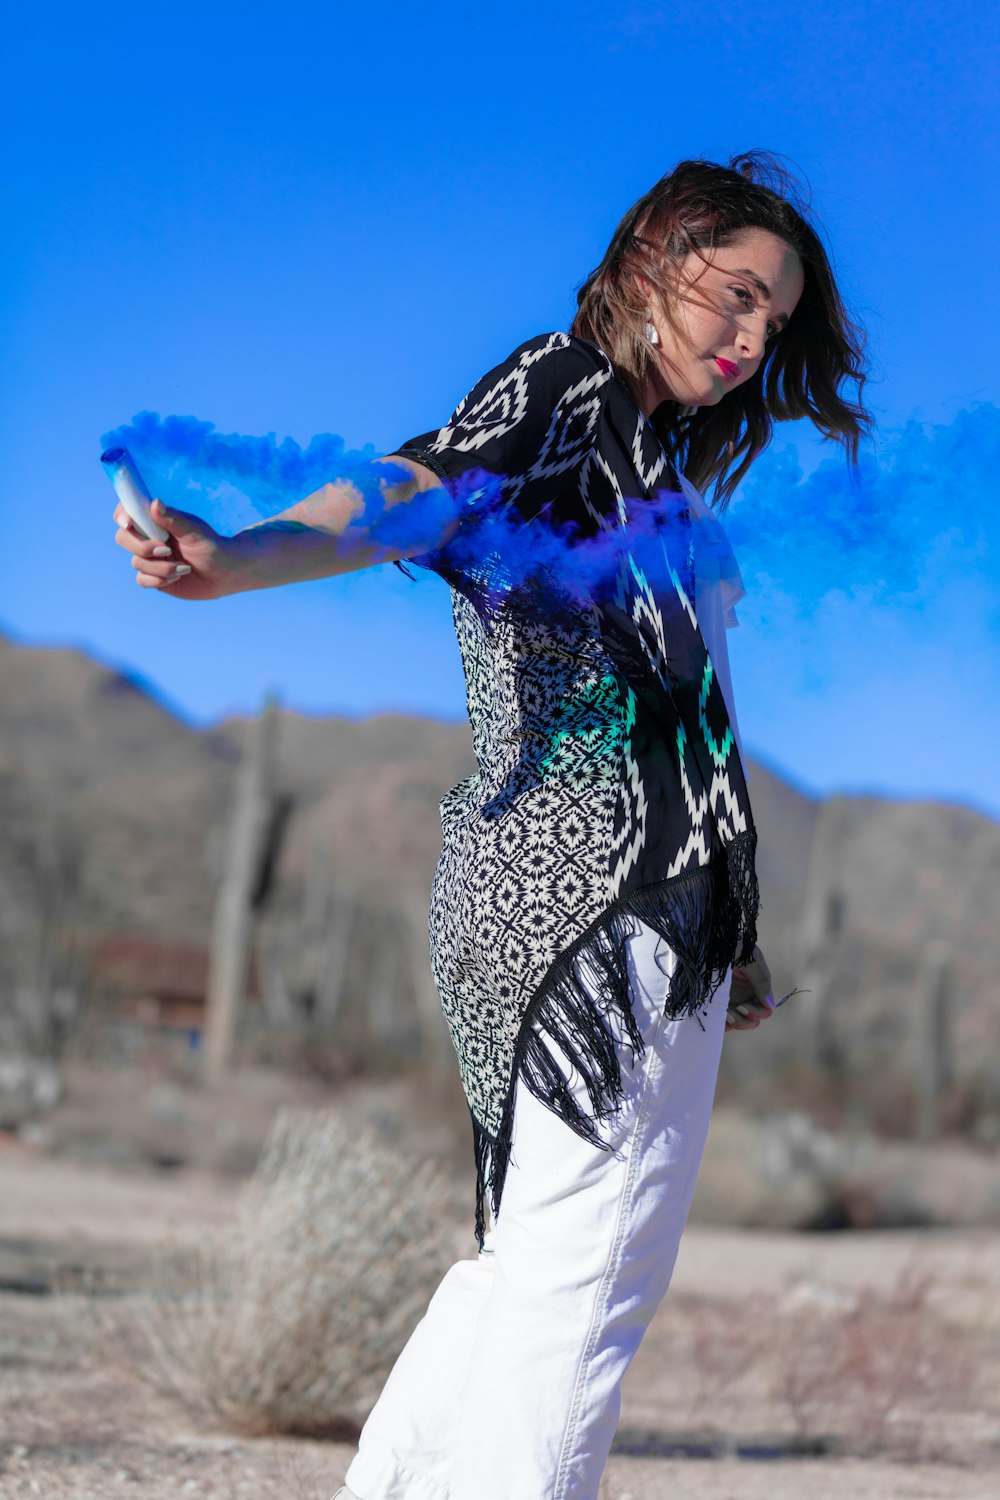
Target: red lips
x: 728, y: 368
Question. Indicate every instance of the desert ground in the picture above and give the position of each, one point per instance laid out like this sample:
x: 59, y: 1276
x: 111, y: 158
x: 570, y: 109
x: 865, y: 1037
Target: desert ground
x: 79, y: 1234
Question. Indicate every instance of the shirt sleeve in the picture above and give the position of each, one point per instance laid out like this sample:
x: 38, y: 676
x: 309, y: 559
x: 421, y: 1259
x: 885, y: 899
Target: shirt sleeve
x: 716, y: 563
x: 522, y: 436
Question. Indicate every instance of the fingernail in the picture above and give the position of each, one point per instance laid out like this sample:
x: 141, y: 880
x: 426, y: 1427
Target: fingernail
x: 180, y: 570
x: 770, y: 1002
x: 162, y: 552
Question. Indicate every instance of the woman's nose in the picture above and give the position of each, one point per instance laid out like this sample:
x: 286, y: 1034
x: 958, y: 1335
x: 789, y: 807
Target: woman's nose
x: 752, y: 338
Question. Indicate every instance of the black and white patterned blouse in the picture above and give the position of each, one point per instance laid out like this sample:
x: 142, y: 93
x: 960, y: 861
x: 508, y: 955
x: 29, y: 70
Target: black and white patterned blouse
x: 610, y: 783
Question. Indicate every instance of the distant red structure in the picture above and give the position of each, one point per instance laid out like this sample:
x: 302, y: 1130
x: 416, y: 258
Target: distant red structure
x: 156, y: 981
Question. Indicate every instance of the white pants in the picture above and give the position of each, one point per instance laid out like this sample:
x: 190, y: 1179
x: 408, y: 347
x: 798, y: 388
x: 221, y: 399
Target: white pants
x: 509, y: 1386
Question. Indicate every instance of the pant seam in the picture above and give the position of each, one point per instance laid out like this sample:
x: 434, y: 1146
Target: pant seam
x: 600, y: 1298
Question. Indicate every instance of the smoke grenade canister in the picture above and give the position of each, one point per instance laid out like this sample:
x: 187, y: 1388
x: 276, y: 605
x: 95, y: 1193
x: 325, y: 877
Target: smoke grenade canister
x: 130, y: 487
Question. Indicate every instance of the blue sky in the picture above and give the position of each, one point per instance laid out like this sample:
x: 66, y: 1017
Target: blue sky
x: 321, y: 218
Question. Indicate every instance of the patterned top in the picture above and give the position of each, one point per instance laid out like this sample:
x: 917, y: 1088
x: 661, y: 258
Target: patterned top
x: 596, y: 796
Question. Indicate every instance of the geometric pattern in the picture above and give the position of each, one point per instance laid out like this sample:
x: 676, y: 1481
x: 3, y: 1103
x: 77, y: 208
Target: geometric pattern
x: 606, y: 759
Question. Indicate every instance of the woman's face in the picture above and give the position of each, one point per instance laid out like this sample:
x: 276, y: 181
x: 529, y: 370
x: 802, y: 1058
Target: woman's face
x: 727, y: 309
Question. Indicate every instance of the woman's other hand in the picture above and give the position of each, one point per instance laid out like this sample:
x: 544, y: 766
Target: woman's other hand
x: 196, y: 562
x: 751, y: 997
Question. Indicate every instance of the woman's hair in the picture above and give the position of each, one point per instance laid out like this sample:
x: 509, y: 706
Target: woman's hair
x: 702, y: 206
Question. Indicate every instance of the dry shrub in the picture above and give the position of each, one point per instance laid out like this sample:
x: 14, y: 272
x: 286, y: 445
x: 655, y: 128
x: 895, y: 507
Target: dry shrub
x: 875, y: 1371
x: 722, y: 1346
x: 881, y: 1369
x: 290, y: 1320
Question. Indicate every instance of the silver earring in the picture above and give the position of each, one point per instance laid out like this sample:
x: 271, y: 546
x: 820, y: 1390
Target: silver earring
x: 651, y: 333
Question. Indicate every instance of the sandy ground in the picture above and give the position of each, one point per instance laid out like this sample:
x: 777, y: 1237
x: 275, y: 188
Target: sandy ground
x: 76, y: 1423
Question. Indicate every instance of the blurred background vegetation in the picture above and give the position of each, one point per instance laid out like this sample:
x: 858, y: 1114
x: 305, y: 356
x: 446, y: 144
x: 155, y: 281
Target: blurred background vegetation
x: 181, y: 908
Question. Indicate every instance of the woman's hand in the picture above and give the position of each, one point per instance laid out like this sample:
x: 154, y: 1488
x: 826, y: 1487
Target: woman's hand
x: 751, y: 998
x: 196, y: 562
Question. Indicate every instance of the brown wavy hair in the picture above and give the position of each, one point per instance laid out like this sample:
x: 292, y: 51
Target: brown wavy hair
x: 699, y: 206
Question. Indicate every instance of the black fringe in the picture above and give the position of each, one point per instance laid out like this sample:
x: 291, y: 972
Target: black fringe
x: 708, y: 917
x: 483, y: 1146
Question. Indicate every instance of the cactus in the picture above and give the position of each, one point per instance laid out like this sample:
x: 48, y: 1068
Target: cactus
x: 933, y: 1067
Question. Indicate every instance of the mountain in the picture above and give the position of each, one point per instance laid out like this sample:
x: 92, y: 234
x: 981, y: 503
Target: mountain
x: 113, y: 815
x: 87, y: 748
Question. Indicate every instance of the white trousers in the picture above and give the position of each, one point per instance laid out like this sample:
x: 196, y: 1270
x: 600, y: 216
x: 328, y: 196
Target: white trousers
x: 509, y: 1388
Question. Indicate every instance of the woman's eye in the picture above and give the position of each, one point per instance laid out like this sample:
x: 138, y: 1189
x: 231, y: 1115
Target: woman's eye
x: 743, y: 293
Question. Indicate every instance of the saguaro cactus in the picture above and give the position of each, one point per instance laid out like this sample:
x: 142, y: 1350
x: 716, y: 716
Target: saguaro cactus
x: 934, y: 1063
x: 232, y: 928
x: 821, y: 936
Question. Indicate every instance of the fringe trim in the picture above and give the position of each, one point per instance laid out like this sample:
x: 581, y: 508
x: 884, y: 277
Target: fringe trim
x: 707, y: 916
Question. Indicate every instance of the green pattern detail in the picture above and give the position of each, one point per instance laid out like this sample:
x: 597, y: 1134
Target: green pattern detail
x: 719, y: 753
x: 628, y: 723
x: 594, y: 712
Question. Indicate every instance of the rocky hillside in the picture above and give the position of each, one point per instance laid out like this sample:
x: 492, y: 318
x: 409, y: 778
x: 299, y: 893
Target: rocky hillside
x: 91, y: 763
x: 113, y: 815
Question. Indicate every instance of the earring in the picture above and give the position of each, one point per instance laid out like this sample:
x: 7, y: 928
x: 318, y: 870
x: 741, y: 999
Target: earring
x: 651, y: 333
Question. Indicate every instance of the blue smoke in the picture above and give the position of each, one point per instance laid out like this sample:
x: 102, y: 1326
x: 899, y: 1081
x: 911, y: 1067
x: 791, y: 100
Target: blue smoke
x: 189, y: 463
x: 272, y: 475
x: 916, y: 515
x: 898, y: 531
x: 870, y: 648
x: 183, y: 455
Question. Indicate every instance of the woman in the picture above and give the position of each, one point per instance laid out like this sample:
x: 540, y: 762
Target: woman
x: 593, y: 914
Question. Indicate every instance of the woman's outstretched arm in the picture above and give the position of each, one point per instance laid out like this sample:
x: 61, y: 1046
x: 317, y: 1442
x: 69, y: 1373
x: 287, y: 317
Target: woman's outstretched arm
x: 327, y: 533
